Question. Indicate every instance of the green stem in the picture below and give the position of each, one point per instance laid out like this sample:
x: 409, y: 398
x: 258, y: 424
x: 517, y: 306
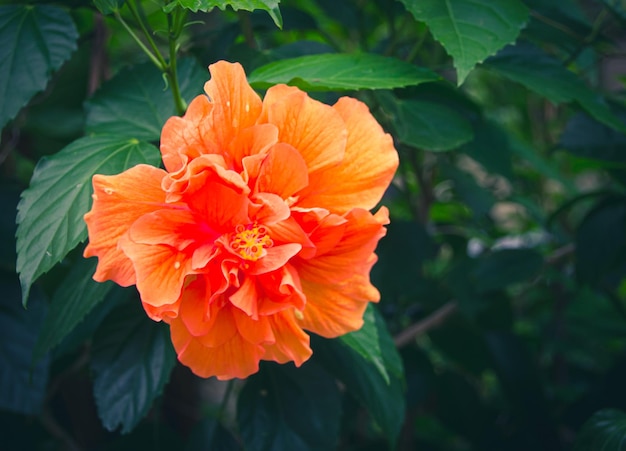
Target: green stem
x: 158, y: 62
x: 171, y: 71
x: 147, y: 33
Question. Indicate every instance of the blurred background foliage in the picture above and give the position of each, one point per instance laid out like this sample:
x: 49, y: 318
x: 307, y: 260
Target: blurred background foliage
x: 502, y: 324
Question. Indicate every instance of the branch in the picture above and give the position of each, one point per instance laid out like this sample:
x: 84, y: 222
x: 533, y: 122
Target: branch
x: 430, y: 322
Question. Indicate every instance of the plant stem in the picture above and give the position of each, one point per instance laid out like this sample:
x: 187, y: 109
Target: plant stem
x: 171, y: 72
x: 147, y: 33
x: 158, y: 62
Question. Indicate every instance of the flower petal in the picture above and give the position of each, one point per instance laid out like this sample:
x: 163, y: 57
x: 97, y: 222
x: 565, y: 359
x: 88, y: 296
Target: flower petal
x: 188, y: 137
x: 292, y: 343
x: 253, y: 140
x: 119, y: 200
x: 160, y: 269
x: 316, y: 130
x: 217, y: 195
x: 235, y: 358
x: 275, y: 257
x: 368, y: 166
x: 235, y: 104
x: 283, y: 172
x: 258, y: 331
x: 336, y: 284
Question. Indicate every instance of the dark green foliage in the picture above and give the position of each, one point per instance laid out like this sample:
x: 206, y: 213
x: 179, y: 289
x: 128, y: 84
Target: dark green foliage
x: 502, y: 318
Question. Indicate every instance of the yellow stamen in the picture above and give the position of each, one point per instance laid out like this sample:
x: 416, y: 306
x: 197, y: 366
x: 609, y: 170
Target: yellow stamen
x: 250, y: 241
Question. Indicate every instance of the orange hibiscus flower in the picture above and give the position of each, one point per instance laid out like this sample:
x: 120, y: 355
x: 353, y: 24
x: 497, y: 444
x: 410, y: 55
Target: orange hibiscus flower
x: 258, y: 228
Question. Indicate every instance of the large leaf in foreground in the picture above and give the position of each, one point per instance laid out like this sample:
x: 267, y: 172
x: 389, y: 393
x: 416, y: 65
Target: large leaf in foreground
x: 132, y: 360
x: 288, y: 408
x: 545, y: 75
x: 605, y: 430
x: 50, y: 213
x: 374, y: 344
x: 470, y: 30
x: 22, y: 385
x: 135, y: 103
x: 76, y: 296
x: 358, y: 368
x: 333, y: 71
x: 36, y: 40
x: 271, y: 6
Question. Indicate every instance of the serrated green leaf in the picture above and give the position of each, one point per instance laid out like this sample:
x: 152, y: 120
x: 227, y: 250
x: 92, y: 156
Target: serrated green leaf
x: 288, y: 408
x: 74, y: 299
x: 545, y: 75
x: 135, y: 103
x: 470, y: 30
x: 22, y: 385
x: 333, y: 72
x: 604, y: 431
x: 132, y: 359
x: 271, y: 6
x: 50, y: 213
x: 36, y: 40
x: 108, y: 6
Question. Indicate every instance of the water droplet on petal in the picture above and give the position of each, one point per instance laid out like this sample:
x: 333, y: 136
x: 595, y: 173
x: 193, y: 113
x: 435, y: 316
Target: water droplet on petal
x: 108, y: 190
x: 176, y: 265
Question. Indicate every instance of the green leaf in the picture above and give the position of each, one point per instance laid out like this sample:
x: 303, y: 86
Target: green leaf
x: 491, y: 148
x: 500, y: 268
x: 333, y: 72
x: 284, y: 408
x: 545, y: 75
x: 617, y: 7
x: 544, y: 166
x: 474, y: 355
x: 271, y: 6
x: 76, y: 296
x: 109, y: 6
x: 604, y: 431
x: 369, y: 340
x: 521, y: 383
x: 132, y: 359
x: 50, y: 213
x: 600, y: 241
x: 383, y: 396
x: 470, y: 30
x: 36, y: 40
x: 401, y: 256
x: 426, y: 125
x: 22, y: 385
x: 479, y: 200
x: 135, y: 103
x: 585, y: 137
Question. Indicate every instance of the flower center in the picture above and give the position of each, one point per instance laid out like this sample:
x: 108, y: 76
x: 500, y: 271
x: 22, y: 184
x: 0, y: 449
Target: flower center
x: 249, y: 241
